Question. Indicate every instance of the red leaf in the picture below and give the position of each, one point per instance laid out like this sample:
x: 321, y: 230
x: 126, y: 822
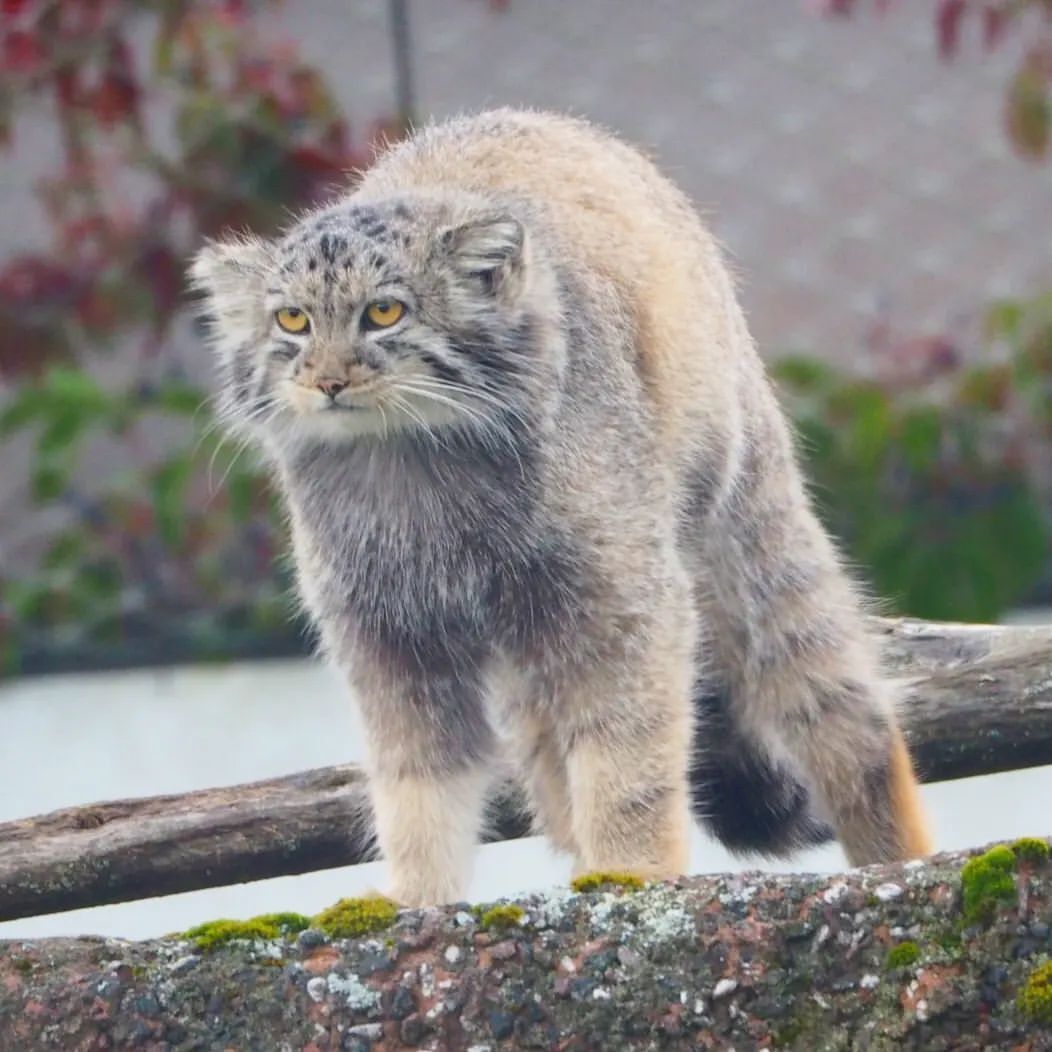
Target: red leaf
x: 97, y: 311
x: 32, y: 280
x: 995, y: 22
x: 14, y: 7
x: 948, y: 17
x: 165, y: 278
x: 115, y: 99
x: 67, y: 87
x: 22, y: 52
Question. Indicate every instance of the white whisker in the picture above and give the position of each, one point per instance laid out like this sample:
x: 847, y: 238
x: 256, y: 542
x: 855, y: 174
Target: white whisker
x: 490, y: 427
x: 257, y: 413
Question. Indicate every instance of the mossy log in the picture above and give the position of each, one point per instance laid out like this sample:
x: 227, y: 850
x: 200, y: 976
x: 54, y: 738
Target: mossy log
x: 886, y: 958
x: 978, y: 700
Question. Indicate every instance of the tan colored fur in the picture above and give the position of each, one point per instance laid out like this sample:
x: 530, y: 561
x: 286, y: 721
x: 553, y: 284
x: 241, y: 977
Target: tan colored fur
x: 911, y: 817
x: 650, y: 468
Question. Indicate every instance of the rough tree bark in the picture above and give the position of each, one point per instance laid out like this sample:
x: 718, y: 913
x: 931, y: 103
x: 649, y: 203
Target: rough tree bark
x: 979, y: 700
x: 744, y: 962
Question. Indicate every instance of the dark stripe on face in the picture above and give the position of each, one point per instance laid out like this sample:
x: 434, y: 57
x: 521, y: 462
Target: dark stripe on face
x: 498, y: 357
x: 371, y: 222
x: 331, y: 246
x: 285, y: 349
x: 443, y: 370
x: 244, y: 373
x: 376, y: 260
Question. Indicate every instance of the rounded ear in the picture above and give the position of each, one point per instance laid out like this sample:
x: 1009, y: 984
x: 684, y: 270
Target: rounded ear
x: 228, y: 267
x: 493, y: 248
x: 232, y: 276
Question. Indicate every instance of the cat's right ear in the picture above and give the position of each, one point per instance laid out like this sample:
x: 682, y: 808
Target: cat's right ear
x: 232, y: 278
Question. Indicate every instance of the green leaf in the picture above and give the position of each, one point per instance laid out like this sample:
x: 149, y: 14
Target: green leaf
x: 30, y: 403
x: 242, y: 487
x: 66, y: 550
x: 802, y: 374
x: 1003, y: 319
x: 32, y: 602
x: 98, y: 582
x: 75, y: 388
x: 181, y: 399
x: 61, y: 433
x: 870, y: 424
x: 48, y: 481
x: 921, y: 437
x: 169, y: 486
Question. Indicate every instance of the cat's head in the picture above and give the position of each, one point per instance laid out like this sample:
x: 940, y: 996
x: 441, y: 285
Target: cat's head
x: 378, y: 317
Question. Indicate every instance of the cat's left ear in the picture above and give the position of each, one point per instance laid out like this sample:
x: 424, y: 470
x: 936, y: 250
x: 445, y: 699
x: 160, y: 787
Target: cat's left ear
x: 493, y: 249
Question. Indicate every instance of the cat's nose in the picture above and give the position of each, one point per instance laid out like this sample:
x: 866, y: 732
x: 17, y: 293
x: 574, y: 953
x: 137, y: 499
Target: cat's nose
x: 330, y: 387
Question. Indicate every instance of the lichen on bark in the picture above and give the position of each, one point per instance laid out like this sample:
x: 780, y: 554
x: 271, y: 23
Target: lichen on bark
x: 744, y: 961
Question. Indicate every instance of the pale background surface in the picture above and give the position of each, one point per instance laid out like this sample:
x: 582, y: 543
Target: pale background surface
x: 848, y: 170
x: 73, y: 740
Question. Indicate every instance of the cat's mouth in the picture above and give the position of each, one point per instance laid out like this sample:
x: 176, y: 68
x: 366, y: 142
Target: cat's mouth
x: 343, y: 407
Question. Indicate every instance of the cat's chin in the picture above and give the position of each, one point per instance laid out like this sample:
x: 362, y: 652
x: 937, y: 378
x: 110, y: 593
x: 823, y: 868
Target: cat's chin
x: 344, y: 425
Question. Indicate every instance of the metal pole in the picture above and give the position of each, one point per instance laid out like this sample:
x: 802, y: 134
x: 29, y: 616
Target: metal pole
x: 398, y: 12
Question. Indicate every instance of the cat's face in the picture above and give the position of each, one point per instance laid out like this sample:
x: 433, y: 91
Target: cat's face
x: 374, y: 319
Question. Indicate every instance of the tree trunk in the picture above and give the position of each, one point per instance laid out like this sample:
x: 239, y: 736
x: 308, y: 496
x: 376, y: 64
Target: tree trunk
x: 877, y: 959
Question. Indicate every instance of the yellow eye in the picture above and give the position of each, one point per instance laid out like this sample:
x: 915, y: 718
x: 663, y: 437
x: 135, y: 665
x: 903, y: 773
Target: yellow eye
x: 383, y: 314
x: 293, y: 320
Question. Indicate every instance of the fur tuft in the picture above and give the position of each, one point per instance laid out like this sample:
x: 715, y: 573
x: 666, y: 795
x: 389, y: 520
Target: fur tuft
x: 539, y: 483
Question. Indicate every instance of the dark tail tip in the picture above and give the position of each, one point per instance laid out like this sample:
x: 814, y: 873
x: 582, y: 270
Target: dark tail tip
x: 747, y: 801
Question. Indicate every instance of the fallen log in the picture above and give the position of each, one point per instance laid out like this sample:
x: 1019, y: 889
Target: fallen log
x: 883, y: 958
x: 978, y: 701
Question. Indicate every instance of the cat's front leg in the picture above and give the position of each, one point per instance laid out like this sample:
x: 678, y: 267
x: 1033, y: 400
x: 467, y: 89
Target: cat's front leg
x: 622, y: 696
x: 431, y: 763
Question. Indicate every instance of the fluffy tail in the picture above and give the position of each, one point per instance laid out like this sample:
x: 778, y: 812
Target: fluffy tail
x: 751, y: 804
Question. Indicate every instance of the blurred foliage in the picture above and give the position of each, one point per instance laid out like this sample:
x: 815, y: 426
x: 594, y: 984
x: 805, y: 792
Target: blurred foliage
x: 175, y: 119
x: 165, y: 555
x: 935, y: 473
x: 1028, y: 98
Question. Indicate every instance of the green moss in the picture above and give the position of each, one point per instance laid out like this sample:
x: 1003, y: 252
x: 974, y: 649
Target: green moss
x: 1035, y: 999
x: 1031, y: 849
x: 352, y: 917
x: 599, y: 879
x: 788, y: 1035
x: 986, y: 881
x: 903, y: 955
x: 215, y: 933
x: 948, y: 939
x: 505, y: 916
x: 286, y: 923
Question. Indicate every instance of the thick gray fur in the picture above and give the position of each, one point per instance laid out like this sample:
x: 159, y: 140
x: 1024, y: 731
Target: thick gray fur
x: 554, y: 519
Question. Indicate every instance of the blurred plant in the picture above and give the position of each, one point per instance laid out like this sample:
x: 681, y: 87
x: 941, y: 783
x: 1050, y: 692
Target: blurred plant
x: 253, y: 132
x: 239, y: 131
x: 1028, y: 100
x: 935, y: 473
x: 164, y: 556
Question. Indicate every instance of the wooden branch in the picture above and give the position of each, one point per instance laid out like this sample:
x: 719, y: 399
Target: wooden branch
x: 979, y: 700
x: 881, y: 958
